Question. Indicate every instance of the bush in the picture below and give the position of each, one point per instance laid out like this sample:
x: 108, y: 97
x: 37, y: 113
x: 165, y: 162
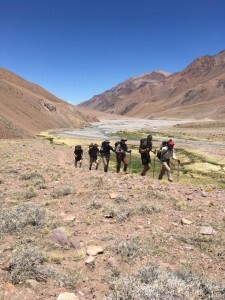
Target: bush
x: 20, y: 217
x: 153, y: 283
x: 62, y: 193
x: 127, y: 249
x: 25, y: 263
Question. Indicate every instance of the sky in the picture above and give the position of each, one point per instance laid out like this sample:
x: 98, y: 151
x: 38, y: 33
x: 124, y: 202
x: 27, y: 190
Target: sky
x: 76, y: 49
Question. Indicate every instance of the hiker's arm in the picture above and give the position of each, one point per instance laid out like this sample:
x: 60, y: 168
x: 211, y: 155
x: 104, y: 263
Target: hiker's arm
x: 147, y: 150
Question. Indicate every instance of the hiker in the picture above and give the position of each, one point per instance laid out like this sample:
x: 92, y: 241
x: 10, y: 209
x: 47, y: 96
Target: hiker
x: 166, y: 153
x: 144, y: 149
x: 105, y: 153
x: 121, y: 150
x: 93, y: 153
x: 78, y: 154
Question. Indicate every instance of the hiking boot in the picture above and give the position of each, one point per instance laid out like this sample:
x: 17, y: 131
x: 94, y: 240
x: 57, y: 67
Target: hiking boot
x: 170, y: 179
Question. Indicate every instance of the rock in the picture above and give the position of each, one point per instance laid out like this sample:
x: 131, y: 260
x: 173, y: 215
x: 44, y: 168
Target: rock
x: 31, y: 283
x: 113, y: 196
x: 68, y: 218
x: 94, y: 250
x: 67, y: 296
x: 59, y: 237
x: 90, y: 261
x: 207, y: 230
x: 185, y: 222
x: 189, y: 198
x: 204, y: 194
x: 74, y: 244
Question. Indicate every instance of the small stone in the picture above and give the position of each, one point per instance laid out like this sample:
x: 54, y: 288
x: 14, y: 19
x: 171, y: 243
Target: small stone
x: 90, y: 261
x: 74, y: 244
x: 94, y: 250
x: 207, y: 230
x: 113, y: 196
x: 59, y: 237
x: 204, y: 194
x: 189, y: 198
x: 67, y: 296
x: 31, y: 283
x: 185, y: 222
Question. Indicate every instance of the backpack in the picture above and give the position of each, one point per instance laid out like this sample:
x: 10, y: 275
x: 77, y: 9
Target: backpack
x: 117, y: 143
x: 77, y: 150
x: 159, y: 152
x: 143, y: 144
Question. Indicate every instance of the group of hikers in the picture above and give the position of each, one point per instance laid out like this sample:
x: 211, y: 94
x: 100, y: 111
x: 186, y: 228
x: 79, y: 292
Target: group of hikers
x: 165, y: 153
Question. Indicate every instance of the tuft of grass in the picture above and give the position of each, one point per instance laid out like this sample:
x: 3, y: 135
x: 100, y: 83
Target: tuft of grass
x: 152, y: 283
x: 22, y: 217
x: 127, y: 249
x: 62, y: 193
x: 55, y: 257
x: 120, y: 214
x: 25, y: 262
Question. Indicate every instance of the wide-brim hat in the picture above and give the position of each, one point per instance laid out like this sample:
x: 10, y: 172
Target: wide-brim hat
x: 106, y: 141
x: 123, y: 140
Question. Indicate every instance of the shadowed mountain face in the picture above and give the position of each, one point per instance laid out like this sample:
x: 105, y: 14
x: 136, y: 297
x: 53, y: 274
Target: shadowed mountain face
x: 198, y: 91
x: 26, y: 108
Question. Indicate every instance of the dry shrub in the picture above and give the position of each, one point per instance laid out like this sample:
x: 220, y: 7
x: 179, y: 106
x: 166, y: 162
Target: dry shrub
x: 127, y: 249
x: 22, y: 217
x: 153, y: 283
x: 25, y: 263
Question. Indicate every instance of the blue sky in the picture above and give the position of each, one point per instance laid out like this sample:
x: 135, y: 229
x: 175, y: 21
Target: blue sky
x: 79, y: 48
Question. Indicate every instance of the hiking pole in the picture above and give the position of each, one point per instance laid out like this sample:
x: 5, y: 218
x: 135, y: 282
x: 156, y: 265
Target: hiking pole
x: 178, y: 172
x: 154, y: 167
x: 130, y: 163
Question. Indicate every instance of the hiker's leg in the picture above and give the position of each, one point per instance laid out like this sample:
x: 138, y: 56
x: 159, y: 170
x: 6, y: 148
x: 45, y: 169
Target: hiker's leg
x: 168, y: 170
x: 125, y: 164
x: 91, y: 162
x: 162, y: 172
x: 80, y: 163
x: 118, y: 165
x: 145, y: 169
x: 106, y: 164
x: 97, y: 163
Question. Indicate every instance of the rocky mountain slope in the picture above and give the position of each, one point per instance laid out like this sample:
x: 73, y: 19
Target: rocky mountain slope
x: 26, y: 108
x: 198, y: 91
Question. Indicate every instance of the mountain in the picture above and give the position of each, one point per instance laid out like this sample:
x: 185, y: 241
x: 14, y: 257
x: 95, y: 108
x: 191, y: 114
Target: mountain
x: 26, y: 108
x: 198, y: 91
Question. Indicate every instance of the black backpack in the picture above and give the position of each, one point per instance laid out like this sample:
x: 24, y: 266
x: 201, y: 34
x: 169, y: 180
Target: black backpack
x: 143, y: 144
x: 78, y: 150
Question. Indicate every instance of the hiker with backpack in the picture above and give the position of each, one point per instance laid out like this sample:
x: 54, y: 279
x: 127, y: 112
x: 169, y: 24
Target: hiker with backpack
x: 93, y: 153
x: 78, y: 154
x: 105, y: 153
x: 121, y: 150
x: 165, y: 153
x: 144, y: 149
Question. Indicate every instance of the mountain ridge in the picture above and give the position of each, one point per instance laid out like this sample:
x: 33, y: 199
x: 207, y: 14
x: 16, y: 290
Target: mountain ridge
x: 189, y: 93
x: 26, y: 109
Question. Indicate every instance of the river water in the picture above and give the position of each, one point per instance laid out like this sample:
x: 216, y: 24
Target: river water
x: 102, y: 130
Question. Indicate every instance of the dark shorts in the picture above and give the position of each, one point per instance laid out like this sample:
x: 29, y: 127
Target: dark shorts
x: 145, y: 159
x: 93, y: 159
x: 78, y: 158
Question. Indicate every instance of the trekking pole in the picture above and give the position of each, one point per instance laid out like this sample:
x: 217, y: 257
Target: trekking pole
x: 154, y: 167
x: 178, y: 172
x: 130, y: 163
